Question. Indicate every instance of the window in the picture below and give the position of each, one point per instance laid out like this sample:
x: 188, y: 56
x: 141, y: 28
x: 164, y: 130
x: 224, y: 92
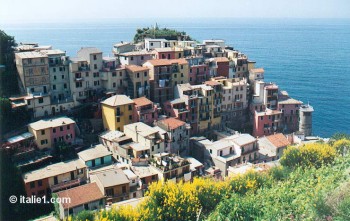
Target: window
x: 114, y: 74
x: 95, y: 57
x: 40, y: 182
x: 62, y: 76
x: 114, y: 84
x: 130, y: 107
x: 53, y: 87
x: 61, y: 128
x: 41, y: 100
x: 145, y: 74
x: 95, y: 66
x: 118, y: 119
x: 54, y: 130
x: 43, y: 142
x: 42, y: 132
x: 68, y: 127
x: 32, y: 185
x: 132, y: 58
x: 86, y: 74
x: 54, y: 70
x: 65, y: 86
x: 138, y: 75
x: 130, y: 117
x: 120, y: 74
x: 141, y: 57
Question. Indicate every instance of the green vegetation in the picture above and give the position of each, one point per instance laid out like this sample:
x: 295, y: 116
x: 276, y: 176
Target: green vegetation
x: 8, y: 79
x: 169, y: 34
x: 312, y: 183
x: 9, y: 119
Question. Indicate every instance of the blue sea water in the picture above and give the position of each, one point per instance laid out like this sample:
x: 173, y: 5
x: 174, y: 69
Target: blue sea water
x: 310, y: 58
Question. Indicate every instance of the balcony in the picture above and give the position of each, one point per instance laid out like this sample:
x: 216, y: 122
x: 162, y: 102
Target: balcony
x: 84, y: 68
x: 78, y: 79
x: 66, y: 185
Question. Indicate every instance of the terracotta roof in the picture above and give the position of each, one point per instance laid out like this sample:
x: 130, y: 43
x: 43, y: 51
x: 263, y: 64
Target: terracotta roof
x: 172, y: 123
x: 81, y: 195
x: 159, y: 62
x: 179, y: 61
x: 136, y: 68
x: 117, y: 100
x: 142, y: 101
x: 279, y: 140
x: 255, y: 70
x: 221, y: 59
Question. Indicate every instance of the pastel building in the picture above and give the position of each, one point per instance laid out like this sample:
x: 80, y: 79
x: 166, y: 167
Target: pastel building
x: 272, y: 147
x: 138, y: 81
x: 161, y: 80
x: 117, y: 111
x: 114, y: 79
x: 146, y: 136
x: 178, y: 135
x: 226, y: 152
x: 168, y: 53
x: 156, y: 43
x: 85, y: 74
x: 264, y: 107
x: 235, y: 95
x: 290, y: 112
x: 55, y: 177
x: 219, y: 67
x: 134, y: 57
x: 48, y: 132
x: 113, y: 183
x: 147, y: 111
x: 33, y: 70
x: 198, y: 70
x: 97, y: 156
x: 59, y: 76
x: 84, y: 197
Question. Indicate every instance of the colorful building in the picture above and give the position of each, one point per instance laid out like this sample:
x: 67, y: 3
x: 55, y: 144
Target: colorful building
x: 178, y: 135
x: 138, y: 81
x: 147, y: 111
x: 48, y: 132
x: 117, y: 111
x: 55, y: 177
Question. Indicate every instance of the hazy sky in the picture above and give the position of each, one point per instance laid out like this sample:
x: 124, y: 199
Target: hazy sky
x: 70, y: 10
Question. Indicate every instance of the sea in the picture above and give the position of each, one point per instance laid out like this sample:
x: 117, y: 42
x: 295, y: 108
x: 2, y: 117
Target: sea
x: 309, y: 58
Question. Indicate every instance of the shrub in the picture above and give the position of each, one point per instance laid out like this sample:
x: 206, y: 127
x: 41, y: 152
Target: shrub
x: 342, y: 145
x: 308, y: 155
x: 84, y: 215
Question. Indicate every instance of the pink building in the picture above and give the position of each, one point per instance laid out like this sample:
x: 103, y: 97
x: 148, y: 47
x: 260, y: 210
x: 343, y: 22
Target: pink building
x: 266, y: 122
x: 63, y: 131
x: 146, y: 111
x: 266, y: 116
x: 290, y: 112
x: 48, y: 132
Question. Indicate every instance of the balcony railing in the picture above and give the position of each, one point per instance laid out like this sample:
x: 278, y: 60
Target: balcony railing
x: 66, y: 184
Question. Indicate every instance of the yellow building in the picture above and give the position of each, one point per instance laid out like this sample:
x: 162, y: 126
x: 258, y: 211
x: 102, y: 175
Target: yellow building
x: 209, y: 106
x: 180, y: 71
x: 117, y: 111
x: 41, y: 133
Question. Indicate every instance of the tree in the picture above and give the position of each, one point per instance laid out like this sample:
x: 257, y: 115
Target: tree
x: 8, y: 79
